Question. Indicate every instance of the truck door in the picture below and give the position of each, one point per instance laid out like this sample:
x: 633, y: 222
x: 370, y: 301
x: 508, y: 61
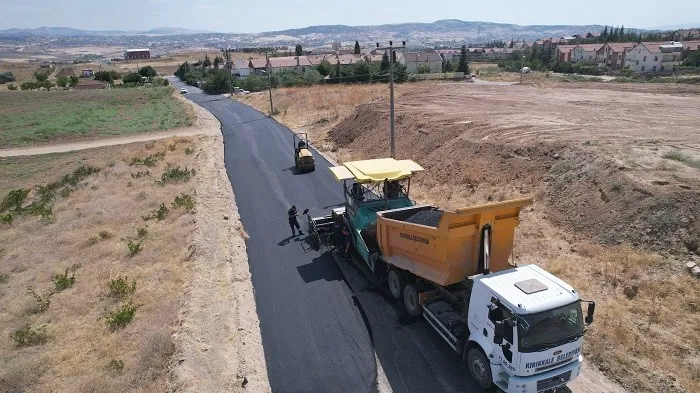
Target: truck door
x: 502, y: 319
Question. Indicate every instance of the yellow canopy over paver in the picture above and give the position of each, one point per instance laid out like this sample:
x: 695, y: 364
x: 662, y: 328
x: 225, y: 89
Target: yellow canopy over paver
x: 377, y: 170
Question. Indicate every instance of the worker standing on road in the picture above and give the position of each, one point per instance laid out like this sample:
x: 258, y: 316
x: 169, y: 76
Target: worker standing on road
x: 293, y: 220
x: 346, y: 240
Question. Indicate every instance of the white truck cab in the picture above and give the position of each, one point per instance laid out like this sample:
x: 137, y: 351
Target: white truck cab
x: 529, y: 327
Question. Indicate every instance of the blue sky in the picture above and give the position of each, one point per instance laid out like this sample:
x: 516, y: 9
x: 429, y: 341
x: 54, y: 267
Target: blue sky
x: 256, y: 16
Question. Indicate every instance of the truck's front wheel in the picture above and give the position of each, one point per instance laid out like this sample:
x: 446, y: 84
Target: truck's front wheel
x: 480, y: 368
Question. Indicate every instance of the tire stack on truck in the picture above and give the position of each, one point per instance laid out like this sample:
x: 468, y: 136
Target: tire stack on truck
x: 519, y: 329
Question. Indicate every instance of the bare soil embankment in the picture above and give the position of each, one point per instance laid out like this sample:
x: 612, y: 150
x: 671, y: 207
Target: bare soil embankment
x: 613, y: 169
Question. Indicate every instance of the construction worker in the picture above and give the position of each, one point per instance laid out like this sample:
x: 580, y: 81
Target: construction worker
x: 346, y: 239
x: 293, y: 220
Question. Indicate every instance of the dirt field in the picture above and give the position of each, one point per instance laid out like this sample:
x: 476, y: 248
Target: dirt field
x: 613, y: 169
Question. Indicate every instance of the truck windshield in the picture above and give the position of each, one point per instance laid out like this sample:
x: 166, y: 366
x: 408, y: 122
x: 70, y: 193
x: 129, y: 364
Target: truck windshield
x: 550, y: 328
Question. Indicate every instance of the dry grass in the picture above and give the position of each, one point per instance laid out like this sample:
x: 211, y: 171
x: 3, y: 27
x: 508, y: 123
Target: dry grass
x: 89, y: 233
x: 648, y: 343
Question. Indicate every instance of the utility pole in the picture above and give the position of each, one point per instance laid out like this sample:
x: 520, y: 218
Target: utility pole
x: 391, y: 93
x: 522, y: 65
x: 269, y: 80
x: 229, y: 66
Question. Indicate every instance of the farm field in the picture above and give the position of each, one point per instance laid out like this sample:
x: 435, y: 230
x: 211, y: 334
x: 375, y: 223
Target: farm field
x: 614, y: 172
x: 40, y: 117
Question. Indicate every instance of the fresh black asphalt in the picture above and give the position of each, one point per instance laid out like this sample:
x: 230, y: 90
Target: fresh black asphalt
x: 322, y: 321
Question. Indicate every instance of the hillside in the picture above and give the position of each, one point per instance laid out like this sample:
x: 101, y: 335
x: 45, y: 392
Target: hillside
x: 449, y: 31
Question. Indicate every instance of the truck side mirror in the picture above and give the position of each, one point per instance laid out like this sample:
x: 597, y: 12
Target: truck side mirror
x: 499, y: 332
x: 591, y: 311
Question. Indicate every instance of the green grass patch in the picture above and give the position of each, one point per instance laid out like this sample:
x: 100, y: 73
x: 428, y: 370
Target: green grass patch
x: 184, y: 201
x: 28, y: 336
x: 121, y: 317
x: 63, y: 281
x: 680, y: 157
x: 32, y: 117
x: 149, y: 161
x: 121, y: 288
x: 175, y: 174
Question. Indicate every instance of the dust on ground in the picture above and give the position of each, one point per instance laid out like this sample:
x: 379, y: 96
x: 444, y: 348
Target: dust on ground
x: 614, y: 171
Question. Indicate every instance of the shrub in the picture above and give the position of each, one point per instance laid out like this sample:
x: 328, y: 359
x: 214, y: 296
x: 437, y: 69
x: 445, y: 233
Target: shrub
x: 185, y: 201
x: 172, y: 147
x: 4, y: 278
x: 42, y: 302
x: 12, y: 86
x: 189, y: 150
x: 149, y: 161
x: 121, y: 288
x: 27, y: 337
x: 121, y: 317
x: 141, y: 233
x: 140, y: 174
x: 6, y: 218
x: 134, y: 247
x: 14, y: 200
x: 175, y: 174
x: 158, y: 214
x: 63, y: 281
x: 133, y: 77
x: 6, y: 77
x: 115, y: 366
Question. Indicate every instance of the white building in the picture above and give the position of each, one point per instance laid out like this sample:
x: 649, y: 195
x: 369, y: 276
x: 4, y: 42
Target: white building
x: 414, y: 60
x: 654, y: 57
x: 586, y: 53
x: 242, y: 68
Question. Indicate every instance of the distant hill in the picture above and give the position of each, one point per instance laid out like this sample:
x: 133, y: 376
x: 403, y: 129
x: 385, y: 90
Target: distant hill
x: 449, y: 32
x: 70, y: 32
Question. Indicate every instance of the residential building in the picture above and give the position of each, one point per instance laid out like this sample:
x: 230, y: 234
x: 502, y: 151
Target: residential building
x: 289, y: 63
x: 686, y: 35
x: 562, y: 53
x: 613, y: 54
x: 257, y: 66
x: 414, y: 60
x: 587, y: 53
x: 87, y: 73
x: 242, y: 68
x: 691, y: 45
x: 137, y: 54
x: 655, y: 56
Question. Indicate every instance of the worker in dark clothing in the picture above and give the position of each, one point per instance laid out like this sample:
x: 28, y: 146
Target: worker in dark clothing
x: 346, y: 240
x: 293, y: 220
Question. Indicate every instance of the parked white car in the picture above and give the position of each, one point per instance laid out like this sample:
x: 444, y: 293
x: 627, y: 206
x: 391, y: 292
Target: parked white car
x: 183, y: 90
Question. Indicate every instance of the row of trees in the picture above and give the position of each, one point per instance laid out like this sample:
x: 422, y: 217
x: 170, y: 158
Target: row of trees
x: 462, y: 63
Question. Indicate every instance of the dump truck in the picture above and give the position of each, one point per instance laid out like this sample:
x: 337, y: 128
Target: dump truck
x: 303, y: 159
x: 518, y: 328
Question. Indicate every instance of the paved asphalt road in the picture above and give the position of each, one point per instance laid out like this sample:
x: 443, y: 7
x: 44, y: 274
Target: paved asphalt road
x: 324, y: 326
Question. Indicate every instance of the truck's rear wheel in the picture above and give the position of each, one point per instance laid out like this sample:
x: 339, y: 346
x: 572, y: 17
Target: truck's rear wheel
x: 410, y: 301
x: 397, y: 282
x: 480, y: 368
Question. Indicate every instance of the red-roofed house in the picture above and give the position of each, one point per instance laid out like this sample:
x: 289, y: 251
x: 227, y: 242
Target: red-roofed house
x: 294, y: 63
x: 257, y: 65
x: 614, y: 53
x: 563, y: 53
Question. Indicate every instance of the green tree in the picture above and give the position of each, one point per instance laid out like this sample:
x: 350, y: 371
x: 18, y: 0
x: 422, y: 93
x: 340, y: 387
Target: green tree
x: 298, y: 51
x: 207, y: 62
x: 357, y: 48
x: 362, y: 71
x: 217, y: 61
x: 423, y: 69
x: 691, y: 59
x: 182, y: 70
x: 325, y: 68
x: 6, y: 77
x: 106, y: 76
x: 148, y: 71
x: 384, y: 65
x: 62, y: 81
x: 73, y: 80
x: 400, y: 73
x: 447, y: 66
x: 133, y: 77
x: 41, y: 76
x: 217, y: 82
x: 337, y: 69
x: 463, y: 65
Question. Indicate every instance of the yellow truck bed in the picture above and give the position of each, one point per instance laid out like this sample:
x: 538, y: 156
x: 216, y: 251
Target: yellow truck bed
x: 443, y: 246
